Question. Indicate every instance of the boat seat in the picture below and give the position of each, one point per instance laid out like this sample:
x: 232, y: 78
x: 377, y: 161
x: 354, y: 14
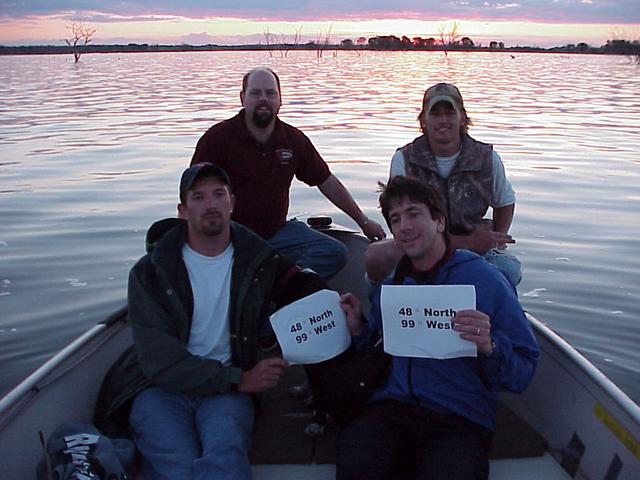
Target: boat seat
x: 506, y: 469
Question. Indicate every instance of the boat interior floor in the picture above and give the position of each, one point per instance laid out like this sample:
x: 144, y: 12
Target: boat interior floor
x: 282, y: 450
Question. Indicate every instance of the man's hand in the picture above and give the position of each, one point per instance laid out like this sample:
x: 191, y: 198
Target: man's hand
x: 266, y: 374
x: 373, y: 230
x: 474, y: 326
x: 481, y: 240
x: 352, y: 309
x: 336, y: 192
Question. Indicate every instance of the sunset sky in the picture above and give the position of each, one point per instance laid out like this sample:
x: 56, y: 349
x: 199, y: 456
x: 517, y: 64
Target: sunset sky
x: 542, y: 23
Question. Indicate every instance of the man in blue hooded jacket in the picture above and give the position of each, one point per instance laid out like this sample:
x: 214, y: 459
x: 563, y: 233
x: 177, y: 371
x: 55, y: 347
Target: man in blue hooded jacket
x: 440, y: 414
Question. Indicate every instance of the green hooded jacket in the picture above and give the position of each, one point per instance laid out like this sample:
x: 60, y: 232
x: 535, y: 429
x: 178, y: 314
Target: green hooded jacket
x: 160, y: 303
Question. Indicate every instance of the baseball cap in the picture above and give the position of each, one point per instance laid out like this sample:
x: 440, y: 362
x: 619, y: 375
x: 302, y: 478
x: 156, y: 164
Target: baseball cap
x: 191, y: 174
x: 442, y: 92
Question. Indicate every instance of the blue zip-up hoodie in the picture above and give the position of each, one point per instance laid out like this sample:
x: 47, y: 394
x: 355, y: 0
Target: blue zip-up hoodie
x: 463, y: 386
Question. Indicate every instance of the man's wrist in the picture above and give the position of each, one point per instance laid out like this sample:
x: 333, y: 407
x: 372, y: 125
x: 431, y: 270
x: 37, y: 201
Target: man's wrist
x: 490, y: 352
x: 357, y: 331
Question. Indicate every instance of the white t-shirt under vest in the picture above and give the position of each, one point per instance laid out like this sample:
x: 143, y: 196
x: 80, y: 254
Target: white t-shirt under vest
x: 210, y: 279
x: 503, y: 193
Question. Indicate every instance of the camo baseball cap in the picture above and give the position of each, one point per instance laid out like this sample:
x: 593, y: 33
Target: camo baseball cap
x: 442, y: 92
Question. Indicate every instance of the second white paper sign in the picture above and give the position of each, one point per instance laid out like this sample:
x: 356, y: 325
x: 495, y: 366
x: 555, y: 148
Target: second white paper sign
x: 416, y: 320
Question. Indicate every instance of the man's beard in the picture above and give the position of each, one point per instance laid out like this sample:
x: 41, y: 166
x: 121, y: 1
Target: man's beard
x: 212, y: 227
x: 262, y: 119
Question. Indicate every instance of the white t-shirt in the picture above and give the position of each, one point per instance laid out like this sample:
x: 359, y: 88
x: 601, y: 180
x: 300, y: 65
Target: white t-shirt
x: 503, y: 193
x: 210, y: 279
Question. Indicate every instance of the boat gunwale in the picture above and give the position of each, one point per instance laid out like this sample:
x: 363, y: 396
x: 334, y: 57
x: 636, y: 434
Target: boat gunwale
x: 613, y: 391
x: 44, y: 375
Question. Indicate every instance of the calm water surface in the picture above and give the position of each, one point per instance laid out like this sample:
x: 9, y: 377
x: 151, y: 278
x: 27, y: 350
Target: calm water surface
x: 90, y: 156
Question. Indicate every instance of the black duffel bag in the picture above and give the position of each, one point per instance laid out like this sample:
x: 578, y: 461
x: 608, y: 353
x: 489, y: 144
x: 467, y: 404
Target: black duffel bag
x: 342, y: 385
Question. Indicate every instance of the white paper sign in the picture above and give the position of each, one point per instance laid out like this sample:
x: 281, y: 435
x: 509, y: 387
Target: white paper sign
x: 312, y: 329
x: 416, y: 320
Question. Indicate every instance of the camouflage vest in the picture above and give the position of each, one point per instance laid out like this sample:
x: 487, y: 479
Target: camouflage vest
x: 469, y: 188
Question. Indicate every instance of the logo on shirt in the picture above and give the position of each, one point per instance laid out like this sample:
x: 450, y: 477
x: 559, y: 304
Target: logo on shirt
x: 285, y: 155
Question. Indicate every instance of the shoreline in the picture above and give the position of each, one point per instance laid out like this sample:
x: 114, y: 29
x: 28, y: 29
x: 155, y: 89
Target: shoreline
x: 283, y: 48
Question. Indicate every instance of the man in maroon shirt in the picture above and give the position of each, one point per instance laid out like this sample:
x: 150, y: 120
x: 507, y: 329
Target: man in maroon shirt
x: 262, y: 154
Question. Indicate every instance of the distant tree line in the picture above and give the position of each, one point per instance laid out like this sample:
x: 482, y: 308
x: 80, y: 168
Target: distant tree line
x: 448, y: 39
x: 392, y: 42
x: 622, y: 47
x: 383, y: 42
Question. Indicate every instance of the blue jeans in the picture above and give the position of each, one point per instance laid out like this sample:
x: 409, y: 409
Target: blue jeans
x: 184, y: 437
x: 310, y: 248
x: 506, y: 263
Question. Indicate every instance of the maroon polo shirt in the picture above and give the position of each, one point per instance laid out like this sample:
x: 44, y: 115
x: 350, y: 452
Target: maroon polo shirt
x: 261, y: 174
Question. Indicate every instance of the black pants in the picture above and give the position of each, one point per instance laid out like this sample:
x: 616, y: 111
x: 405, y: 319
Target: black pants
x: 392, y: 440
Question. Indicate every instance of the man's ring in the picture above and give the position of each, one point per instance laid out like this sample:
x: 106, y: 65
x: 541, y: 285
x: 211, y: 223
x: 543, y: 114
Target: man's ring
x: 478, y: 331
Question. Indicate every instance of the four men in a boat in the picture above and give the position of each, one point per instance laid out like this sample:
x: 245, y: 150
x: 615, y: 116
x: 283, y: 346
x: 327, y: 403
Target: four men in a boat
x: 200, y: 299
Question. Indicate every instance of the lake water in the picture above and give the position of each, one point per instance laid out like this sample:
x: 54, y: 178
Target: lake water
x: 91, y: 153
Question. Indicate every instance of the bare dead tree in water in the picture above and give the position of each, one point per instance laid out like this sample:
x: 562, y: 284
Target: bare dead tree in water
x: 442, y: 35
x: 268, y: 41
x: 319, y: 47
x: 281, y: 42
x: 82, y: 35
x: 295, y: 40
x: 323, y: 44
x: 448, y: 34
x: 327, y: 40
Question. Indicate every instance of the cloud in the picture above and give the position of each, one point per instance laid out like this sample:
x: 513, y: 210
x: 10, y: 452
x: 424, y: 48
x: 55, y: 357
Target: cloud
x: 201, y: 38
x: 553, y: 11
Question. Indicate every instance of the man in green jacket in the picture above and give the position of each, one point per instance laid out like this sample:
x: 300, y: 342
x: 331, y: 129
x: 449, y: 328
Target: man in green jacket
x: 197, y: 304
